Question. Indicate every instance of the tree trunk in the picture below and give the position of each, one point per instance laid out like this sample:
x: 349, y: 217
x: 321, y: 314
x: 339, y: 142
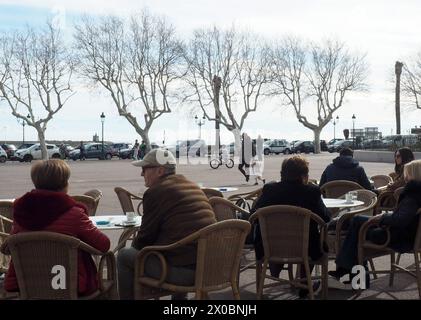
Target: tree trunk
x: 316, y: 140
x: 145, y: 137
x: 237, y: 144
x: 41, y: 138
x: 398, y: 71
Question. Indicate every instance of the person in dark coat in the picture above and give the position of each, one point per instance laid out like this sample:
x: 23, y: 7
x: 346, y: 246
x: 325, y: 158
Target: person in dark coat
x: 402, y: 223
x: 248, y: 151
x: 293, y: 190
x: 345, y: 167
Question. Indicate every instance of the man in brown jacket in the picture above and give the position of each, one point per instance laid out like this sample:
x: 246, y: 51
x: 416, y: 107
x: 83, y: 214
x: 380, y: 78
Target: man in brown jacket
x: 174, y: 208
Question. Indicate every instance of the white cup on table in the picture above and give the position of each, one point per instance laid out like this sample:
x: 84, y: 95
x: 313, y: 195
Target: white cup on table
x: 130, y: 216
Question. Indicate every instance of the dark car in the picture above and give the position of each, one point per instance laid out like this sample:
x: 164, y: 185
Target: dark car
x: 10, y: 149
x: 92, y: 151
x: 127, y: 153
x: 323, y: 145
x: 373, y: 144
x: 337, y: 146
x: 303, y: 147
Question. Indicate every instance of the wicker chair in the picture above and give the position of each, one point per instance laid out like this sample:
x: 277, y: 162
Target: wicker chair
x: 88, y: 201
x: 212, y: 193
x: 285, y: 236
x: 96, y: 194
x: 381, y: 180
x: 386, y: 201
x: 35, y: 253
x: 369, y: 250
x: 219, y: 248
x: 246, y: 200
x: 338, y: 235
x: 4, y: 259
x: 397, y: 193
x: 126, y: 200
x: 225, y: 209
x: 6, y: 209
x: 337, y: 188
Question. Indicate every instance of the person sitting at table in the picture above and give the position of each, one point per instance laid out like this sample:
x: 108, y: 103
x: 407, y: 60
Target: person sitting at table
x: 294, y: 190
x: 345, y: 167
x: 402, y: 224
x: 49, y: 208
x: 173, y: 208
x: 386, y: 198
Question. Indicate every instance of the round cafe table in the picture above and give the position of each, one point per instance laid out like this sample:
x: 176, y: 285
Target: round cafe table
x: 341, y: 203
x: 224, y: 189
x: 114, y: 222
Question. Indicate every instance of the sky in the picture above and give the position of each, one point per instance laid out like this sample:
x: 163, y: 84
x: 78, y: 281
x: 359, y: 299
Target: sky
x: 384, y: 30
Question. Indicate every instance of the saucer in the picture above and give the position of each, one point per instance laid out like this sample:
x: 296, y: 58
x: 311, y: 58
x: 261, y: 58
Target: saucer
x: 128, y: 223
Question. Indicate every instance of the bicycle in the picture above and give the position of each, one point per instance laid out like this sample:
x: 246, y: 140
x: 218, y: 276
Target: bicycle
x: 216, y: 163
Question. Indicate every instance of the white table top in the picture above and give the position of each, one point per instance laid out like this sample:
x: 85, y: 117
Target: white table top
x: 12, y: 200
x: 224, y: 189
x: 341, y: 203
x: 114, y: 222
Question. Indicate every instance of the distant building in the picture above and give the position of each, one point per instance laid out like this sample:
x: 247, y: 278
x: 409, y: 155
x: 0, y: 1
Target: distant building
x: 368, y: 133
x: 416, y: 130
x: 95, y: 138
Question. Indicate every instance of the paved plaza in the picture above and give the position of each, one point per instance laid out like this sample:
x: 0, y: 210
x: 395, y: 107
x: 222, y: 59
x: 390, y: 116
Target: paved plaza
x: 105, y: 175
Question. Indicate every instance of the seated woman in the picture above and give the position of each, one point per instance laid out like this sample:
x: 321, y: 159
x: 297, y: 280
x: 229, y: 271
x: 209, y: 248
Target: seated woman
x: 49, y: 208
x: 294, y: 190
x: 386, y: 198
x: 402, y: 223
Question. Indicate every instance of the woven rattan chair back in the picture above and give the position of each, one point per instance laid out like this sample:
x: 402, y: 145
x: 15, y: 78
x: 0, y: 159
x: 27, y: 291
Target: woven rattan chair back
x: 96, y: 195
x: 246, y: 200
x: 212, y: 193
x: 218, y: 253
x: 337, y: 188
x: 397, y: 193
x: 285, y: 232
x: 224, y: 209
x: 126, y: 200
x: 381, y: 180
x: 88, y: 201
x: 38, y: 257
x: 6, y: 209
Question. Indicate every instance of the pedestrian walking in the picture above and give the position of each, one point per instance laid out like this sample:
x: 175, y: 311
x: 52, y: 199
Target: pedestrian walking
x: 135, y: 155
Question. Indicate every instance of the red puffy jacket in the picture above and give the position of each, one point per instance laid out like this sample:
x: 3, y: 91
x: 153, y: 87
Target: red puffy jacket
x: 41, y: 210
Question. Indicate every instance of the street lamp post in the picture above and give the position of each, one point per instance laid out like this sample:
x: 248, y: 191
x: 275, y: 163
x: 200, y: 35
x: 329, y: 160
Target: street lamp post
x: 102, y: 143
x: 335, y: 122
x: 353, y: 131
x: 200, y: 123
x: 217, y: 82
x: 23, y: 127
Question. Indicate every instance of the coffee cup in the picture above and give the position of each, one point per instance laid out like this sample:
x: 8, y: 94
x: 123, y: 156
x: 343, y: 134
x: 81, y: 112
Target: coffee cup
x: 348, y: 197
x: 130, y: 216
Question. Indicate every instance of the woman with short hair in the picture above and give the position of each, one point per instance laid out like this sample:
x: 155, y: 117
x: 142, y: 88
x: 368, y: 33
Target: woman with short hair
x: 48, y: 207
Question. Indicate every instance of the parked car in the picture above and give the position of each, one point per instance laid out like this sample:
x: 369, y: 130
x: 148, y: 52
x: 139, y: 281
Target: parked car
x: 333, y: 141
x: 183, y: 147
x: 373, y: 144
x: 10, y: 150
x: 93, y: 151
x: 276, y: 146
x: 127, y: 153
x: 303, y: 147
x: 34, y: 152
x: 25, y: 145
x: 323, y: 145
x: 337, y: 146
x: 3, y: 155
x: 116, y: 147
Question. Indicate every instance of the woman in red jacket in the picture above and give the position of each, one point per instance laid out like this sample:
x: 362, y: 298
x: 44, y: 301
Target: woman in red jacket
x: 49, y: 208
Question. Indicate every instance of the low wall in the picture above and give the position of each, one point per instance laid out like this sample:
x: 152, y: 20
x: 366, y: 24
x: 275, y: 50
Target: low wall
x: 378, y: 156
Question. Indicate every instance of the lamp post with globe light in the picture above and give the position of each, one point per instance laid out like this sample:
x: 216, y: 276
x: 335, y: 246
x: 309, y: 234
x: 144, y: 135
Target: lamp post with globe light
x: 353, y: 131
x: 335, y: 122
x: 200, y: 123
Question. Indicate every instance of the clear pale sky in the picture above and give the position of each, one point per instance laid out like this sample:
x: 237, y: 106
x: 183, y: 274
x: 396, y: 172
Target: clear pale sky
x: 385, y: 30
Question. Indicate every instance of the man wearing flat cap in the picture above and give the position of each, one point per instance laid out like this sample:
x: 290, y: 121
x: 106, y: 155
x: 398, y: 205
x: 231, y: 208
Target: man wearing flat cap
x: 173, y: 208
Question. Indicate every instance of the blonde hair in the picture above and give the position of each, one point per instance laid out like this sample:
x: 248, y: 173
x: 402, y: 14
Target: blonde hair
x: 50, y: 175
x: 412, y: 170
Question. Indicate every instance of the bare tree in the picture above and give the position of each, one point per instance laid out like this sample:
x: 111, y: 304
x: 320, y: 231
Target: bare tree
x: 316, y: 75
x: 411, y: 80
x: 35, y: 74
x: 135, y: 61
x: 239, y: 63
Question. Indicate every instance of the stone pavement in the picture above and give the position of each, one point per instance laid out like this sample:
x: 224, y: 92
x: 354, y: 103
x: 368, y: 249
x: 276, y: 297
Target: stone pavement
x: 105, y: 175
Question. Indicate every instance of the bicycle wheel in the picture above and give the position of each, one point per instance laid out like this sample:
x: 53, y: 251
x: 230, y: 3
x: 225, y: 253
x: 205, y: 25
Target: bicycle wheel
x: 214, y: 163
x: 229, y: 163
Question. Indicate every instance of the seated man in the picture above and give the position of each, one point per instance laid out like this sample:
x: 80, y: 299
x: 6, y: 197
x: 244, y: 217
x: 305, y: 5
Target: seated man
x: 345, y: 167
x: 173, y: 208
x: 293, y: 190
